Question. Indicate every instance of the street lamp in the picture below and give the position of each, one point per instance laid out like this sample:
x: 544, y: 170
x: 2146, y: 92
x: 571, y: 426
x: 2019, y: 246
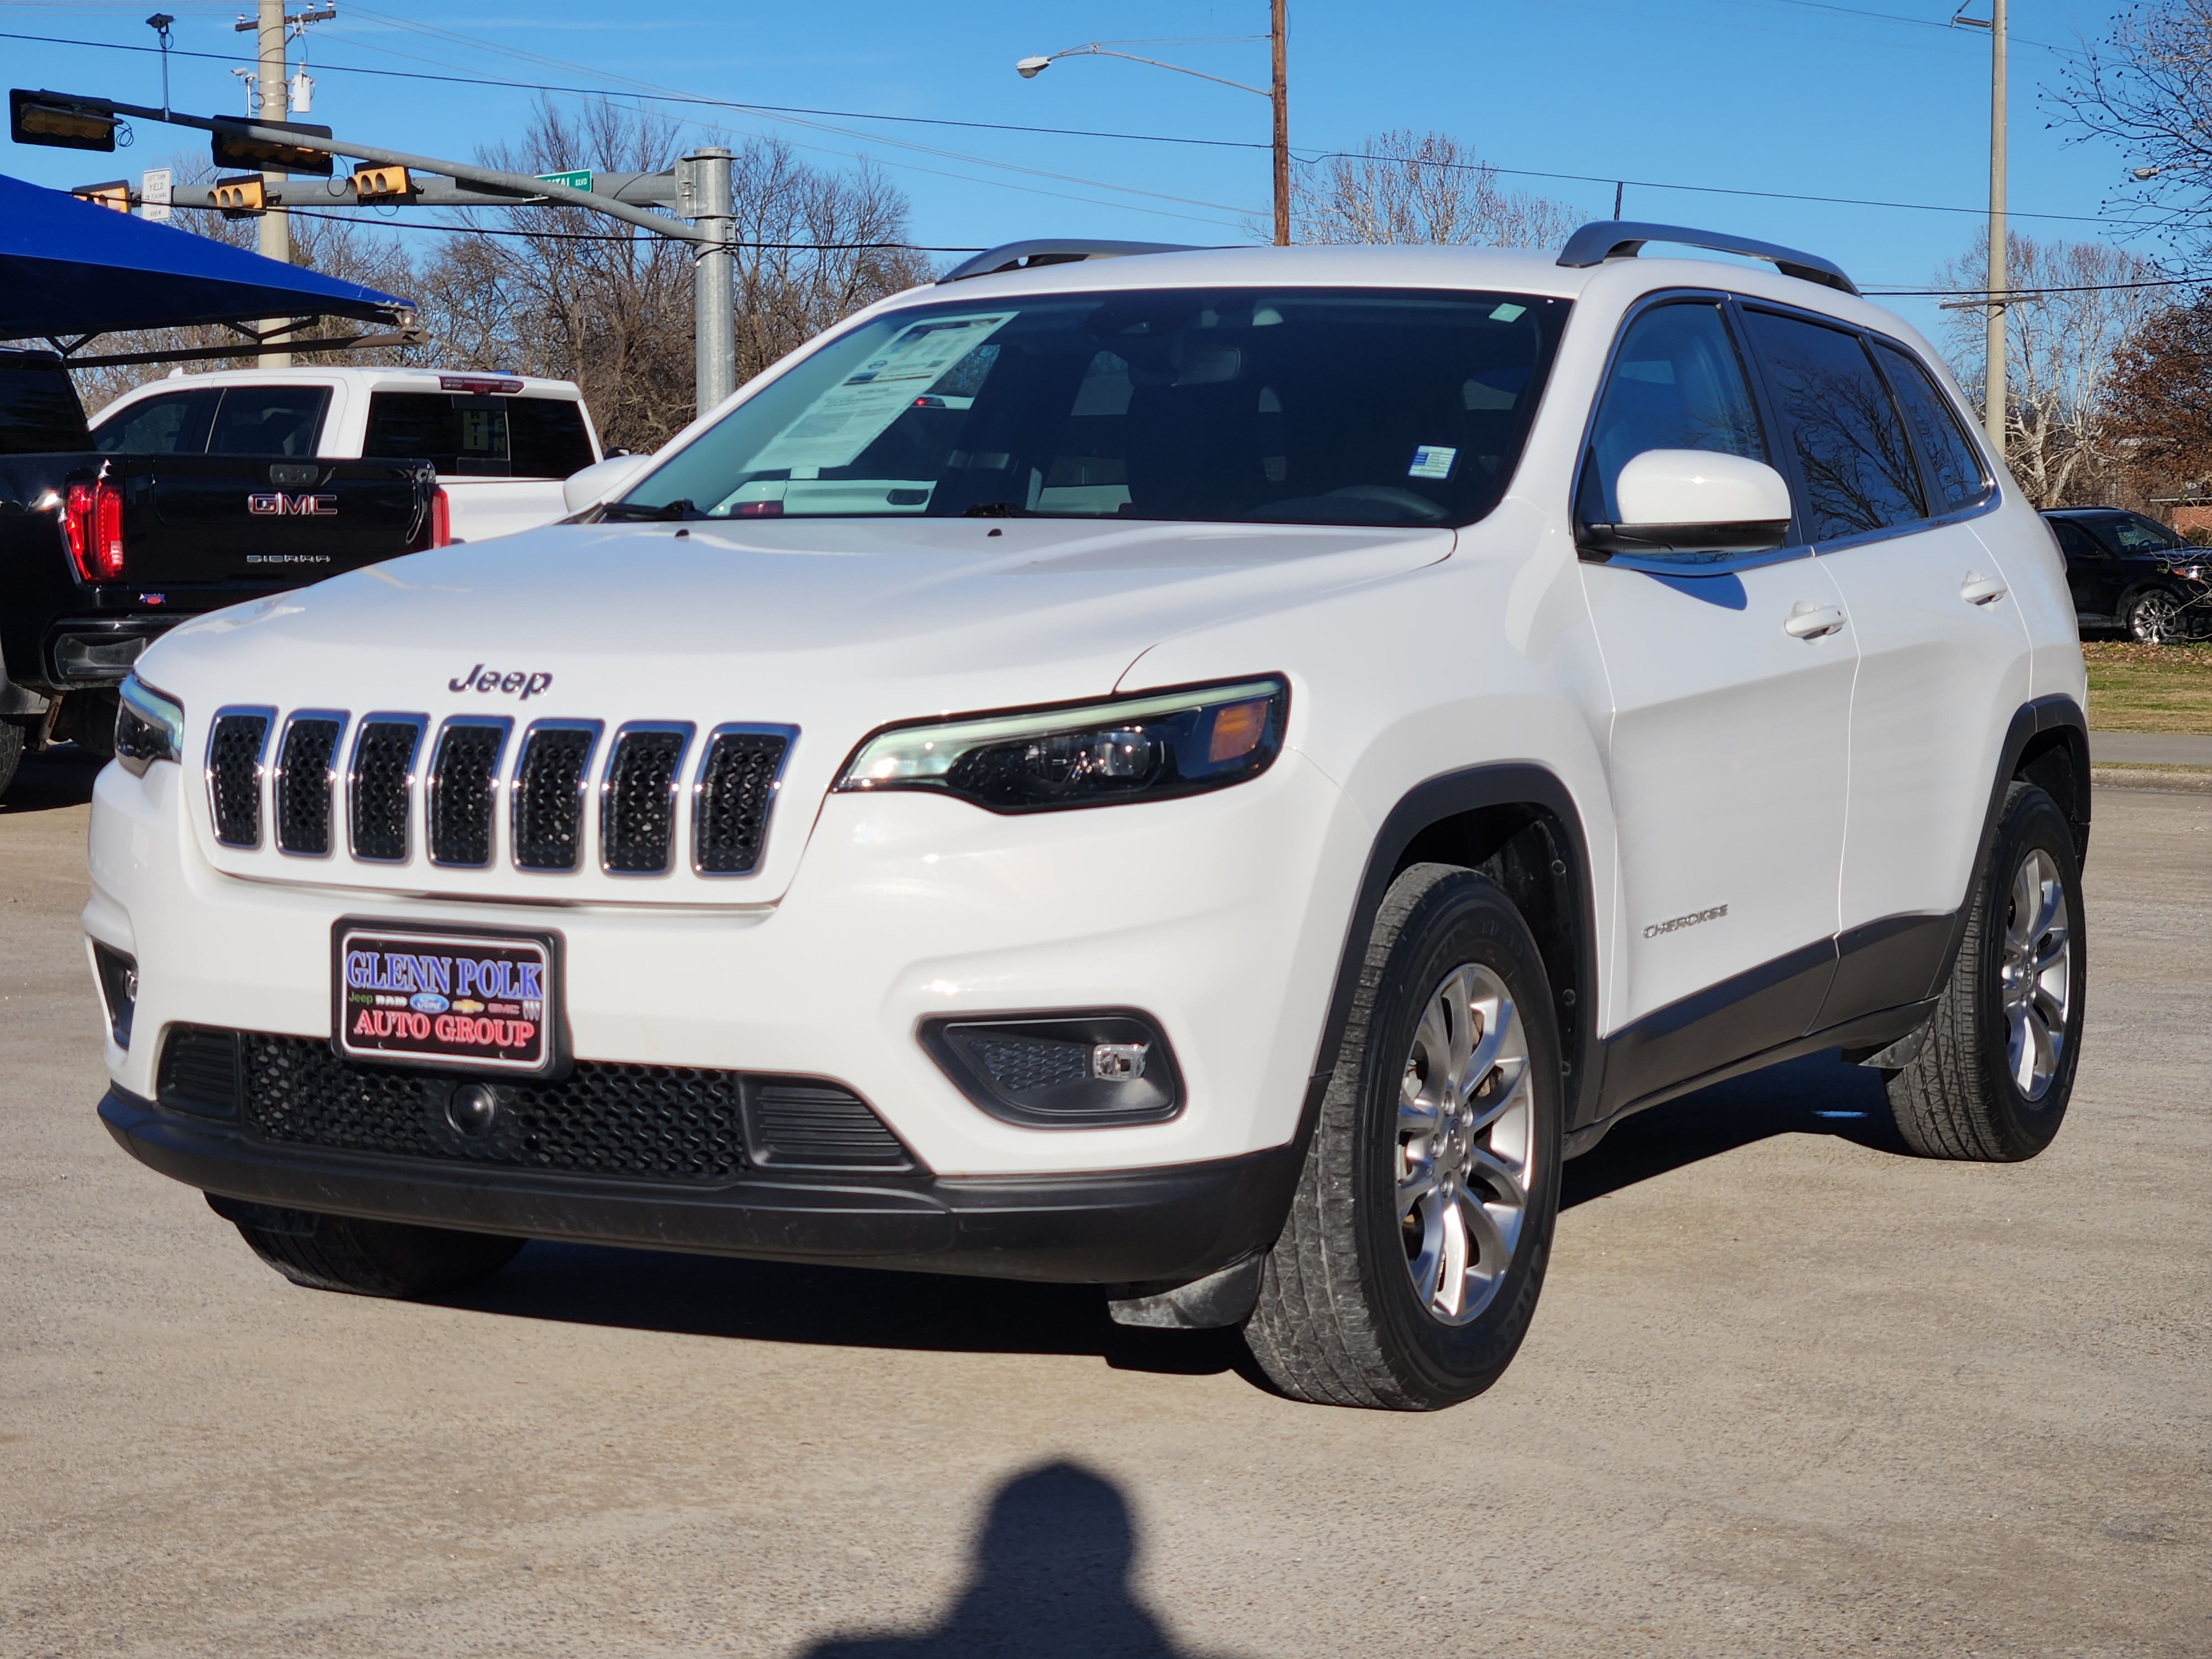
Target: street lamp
x: 1276, y: 93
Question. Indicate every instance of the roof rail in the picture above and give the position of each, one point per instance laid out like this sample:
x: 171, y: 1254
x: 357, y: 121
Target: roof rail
x: 1619, y: 239
x: 1029, y: 256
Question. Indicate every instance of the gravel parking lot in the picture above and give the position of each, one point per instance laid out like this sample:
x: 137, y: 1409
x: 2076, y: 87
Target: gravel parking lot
x: 1790, y: 1392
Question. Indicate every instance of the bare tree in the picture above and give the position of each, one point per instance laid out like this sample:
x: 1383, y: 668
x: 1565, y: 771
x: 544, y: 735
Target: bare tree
x: 2148, y: 88
x: 2060, y: 344
x: 1406, y: 187
x: 2162, y: 398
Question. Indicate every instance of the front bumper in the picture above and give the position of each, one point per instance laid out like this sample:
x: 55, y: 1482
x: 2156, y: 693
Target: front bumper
x: 1118, y: 1227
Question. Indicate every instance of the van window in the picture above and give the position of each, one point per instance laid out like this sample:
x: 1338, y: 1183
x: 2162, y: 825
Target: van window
x: 1858, y: 469
x: 174, y: 423
x: 268, y: 420
x: 1676, y: 384
x: 1954, y: 471
x: 465, y: 434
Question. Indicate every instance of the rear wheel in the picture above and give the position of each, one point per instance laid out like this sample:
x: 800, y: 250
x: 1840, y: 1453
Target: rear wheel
x: 12, y: 741
x: 366, y: 1258
x: 1992, y: 1079
x: 1408, y: 1270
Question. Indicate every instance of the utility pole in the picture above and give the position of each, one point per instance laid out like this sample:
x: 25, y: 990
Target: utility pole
x: 273, y: 230
x: 1993, y: 396
x: 1278, y: 31
x: 702, y: 188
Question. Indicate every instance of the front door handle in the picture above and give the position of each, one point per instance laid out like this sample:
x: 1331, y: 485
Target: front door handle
x: 1809, y: 621
x: 1978, y: 589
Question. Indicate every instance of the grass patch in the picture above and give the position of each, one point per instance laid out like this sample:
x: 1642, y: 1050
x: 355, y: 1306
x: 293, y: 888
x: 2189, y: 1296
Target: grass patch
x: 2149, y: 688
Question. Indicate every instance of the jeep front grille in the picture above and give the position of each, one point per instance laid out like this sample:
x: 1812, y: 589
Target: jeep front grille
x: 235, y: 746
x: 736, y: 787
x: 380, y: 784
x: 463, y: 783
x: 637, y: 802
x: 656, y: 789
x: 304, y: 774
x: 676, y: 1124
x: 550, y: 780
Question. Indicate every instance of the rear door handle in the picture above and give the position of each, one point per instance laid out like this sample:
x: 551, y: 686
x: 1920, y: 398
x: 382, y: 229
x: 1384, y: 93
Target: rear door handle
x: 1978, y: 589
x: 1809, y: 621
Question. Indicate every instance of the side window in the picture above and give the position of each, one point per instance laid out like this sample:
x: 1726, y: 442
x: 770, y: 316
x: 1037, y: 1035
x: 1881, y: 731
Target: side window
x: 175, y: 423
x: 2136, y: 534
x: 2075, y: 542
x: 1857, y: 468
x: 1677, y: 383
x: 1954, y: 471
x: 268, y: 420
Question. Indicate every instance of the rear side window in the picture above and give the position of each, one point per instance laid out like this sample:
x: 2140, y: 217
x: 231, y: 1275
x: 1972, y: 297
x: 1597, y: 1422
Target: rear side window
x: 1677, y: 383
x: 268, y: 420
x: 2075, y: 542
x: 174, y: 423
x: 40, y: 414
x: 466, y: 435
x: 1857, y: 468
x: 1954, y: 472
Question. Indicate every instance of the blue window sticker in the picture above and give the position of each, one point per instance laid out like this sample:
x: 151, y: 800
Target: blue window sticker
x: 1431, y: 461
x: 1507, y: 314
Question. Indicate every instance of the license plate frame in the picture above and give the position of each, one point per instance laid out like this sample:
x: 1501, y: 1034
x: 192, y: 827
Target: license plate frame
x: 432, y: 975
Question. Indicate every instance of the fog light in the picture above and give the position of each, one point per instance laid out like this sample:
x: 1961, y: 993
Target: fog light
x: 1084, y: 1070
x: 119, y: 990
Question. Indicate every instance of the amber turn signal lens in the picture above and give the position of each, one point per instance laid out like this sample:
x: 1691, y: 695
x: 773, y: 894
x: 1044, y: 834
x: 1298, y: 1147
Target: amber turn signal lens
x: 1237, y: 730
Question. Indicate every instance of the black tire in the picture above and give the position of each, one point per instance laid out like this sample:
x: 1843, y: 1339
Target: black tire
x: 1961, y: 1096
x: 1340, y: 1320
x: 2154, y: 616
x: 365, y: 1258
x: 12, y: 741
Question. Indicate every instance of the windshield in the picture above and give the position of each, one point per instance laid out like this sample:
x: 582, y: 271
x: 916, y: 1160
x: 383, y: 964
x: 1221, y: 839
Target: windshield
x: 1316, y: 406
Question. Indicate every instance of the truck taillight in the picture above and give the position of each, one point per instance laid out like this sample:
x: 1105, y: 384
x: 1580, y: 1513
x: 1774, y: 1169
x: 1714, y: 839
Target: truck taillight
x: 92, y: 520
x: 441, y: 519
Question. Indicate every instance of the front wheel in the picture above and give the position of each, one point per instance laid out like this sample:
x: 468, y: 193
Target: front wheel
x: 1408, y: 1270
x: 2154, y: 616
x: 1993, y: 1077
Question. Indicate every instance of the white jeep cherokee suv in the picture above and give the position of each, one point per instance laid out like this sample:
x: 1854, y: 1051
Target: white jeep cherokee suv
x: 1208, y: 774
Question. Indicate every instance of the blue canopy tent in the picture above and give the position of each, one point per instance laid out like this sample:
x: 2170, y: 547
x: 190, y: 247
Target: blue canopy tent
x: 67, y: 267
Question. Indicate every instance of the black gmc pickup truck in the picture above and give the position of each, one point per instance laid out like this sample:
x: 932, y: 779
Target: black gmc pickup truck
x: 102, y: 553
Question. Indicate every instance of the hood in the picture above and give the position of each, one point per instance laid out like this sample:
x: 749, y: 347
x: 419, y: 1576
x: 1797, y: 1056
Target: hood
x: 833, y: 626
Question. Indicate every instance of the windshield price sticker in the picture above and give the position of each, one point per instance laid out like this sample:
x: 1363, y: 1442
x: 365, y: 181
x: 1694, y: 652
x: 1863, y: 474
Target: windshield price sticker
x: 853, y: 414
x: 445, y: 1000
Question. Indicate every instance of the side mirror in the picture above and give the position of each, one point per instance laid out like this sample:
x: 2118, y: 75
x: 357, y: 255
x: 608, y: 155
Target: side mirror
x: 1694, y: 501
x: 602, y: 481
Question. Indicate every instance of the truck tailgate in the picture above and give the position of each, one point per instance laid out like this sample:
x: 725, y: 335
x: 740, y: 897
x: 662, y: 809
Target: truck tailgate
x: 229, y: 517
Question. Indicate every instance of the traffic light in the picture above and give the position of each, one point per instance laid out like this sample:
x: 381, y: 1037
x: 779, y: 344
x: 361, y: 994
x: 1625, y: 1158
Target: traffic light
x: 233, y: 148
x: 382, y: 183
x: 116, y: 195
x: 59, y: 120
x: 239, y: 198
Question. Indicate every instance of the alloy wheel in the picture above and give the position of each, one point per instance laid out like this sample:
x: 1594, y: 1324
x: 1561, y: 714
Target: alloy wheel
x: 1466, y: 1135
x: 2036, y: 974
x: 2155, y: 619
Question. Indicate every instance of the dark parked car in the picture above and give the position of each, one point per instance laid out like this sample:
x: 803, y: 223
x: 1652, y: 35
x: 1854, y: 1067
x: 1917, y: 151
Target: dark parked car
x: 2127, y: 571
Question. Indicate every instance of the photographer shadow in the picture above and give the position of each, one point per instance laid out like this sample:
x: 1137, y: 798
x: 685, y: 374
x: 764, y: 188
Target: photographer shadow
x: 1050, y: 1580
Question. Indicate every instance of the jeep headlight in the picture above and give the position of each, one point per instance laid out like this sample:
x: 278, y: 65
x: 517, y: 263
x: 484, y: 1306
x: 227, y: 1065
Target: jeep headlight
x: 1152, y: 747
x: 149, y: 726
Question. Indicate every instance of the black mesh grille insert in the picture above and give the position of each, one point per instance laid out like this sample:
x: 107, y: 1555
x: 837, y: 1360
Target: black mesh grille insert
x: 1024, y: 1063
x: 199, y: 1071
x: 736, y: 787
x: 549, y: 798
x: 803, y: 1124
x: 668, y: 1123
x: 383, y: 756
x: 637, y: 819
x: 462, y: 783
x: 303, y: 785
x: 235, y: 777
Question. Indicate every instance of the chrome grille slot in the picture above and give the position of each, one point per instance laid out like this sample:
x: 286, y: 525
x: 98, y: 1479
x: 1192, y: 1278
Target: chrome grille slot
x: 380, y: 784
x: 550, y: 783
x: 736, y: 791
x: 235, y: 746
x: 637, y: 799
x: 463, y: 789
x: 303, y: 786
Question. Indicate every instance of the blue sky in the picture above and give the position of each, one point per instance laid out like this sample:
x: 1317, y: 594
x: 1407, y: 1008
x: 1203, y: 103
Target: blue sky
x: 1859, y: 98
